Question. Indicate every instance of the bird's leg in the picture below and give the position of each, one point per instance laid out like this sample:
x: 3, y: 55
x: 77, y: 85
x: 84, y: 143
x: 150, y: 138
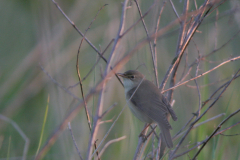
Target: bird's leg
x: 142, y: 133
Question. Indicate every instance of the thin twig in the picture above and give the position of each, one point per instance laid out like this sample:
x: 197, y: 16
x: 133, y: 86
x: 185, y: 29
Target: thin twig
x: 195, y: 3
x: 203, y: 104
x: 78, y: 72
x: 200, y: 143
x: 153, y: 131
x: 108, y: 110
x: 107, y: 133
x: 182, y: 46
x: 154, y: 57
x: 222, y: 46
x: 144, y: 15
x: 141, y: 140
x: 159, y: 149
x: 102, y: 93
x: 225, y: 62
x: 98, y: 59
x: 216, y: 7
x: 179, y: 52
x: 74, y: 141
x: 110, y: 142
x: 206, y: 85
x: 199, y: 93
x: 203, y: 57
x: 197, y: 119
x: 216, y: 30
x: 140, y: 144
x: 195, y: 25
x: 215, y: 131
x: 107, y: 121
x: 58, y: 84
x: 153, y: 146
x: 75, y: 27
x: 211, y: 97
x: 197, y: 125
x: 79, y: 77
x: 155, y: 40
x: 84, y: 78
x: 22, y: 134
x: 174, y: 9
x: 229, y: 135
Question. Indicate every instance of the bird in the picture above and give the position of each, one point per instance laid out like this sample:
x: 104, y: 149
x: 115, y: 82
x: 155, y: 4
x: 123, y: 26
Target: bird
x: 147, y: 103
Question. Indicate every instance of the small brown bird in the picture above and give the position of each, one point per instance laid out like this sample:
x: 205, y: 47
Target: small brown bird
x: 147, y: 102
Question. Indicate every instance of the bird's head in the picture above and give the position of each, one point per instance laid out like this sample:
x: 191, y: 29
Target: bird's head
x: 131, y: 78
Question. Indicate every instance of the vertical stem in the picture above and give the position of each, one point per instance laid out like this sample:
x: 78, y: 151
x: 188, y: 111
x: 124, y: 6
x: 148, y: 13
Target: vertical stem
x: 99, y: 109
x: 154, y: 56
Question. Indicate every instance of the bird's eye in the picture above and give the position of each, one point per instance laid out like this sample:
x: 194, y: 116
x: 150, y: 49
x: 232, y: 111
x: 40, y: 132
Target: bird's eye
x: 132, y: 76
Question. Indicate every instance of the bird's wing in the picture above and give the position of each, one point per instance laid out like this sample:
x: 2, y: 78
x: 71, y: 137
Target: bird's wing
x: 158, y: 110
x: 169, y: 108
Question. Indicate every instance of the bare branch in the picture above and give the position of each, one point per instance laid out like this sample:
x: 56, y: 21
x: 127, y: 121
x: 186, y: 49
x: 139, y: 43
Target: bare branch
x: 197, y: 119
x: 22, y: 134
x: 58, y: 84
x: 101, y: 95
x: 155, y: 40
x: 174, y: 9
x: 74, y: 141
x: 229, y: 135
x: 131, y: 27
x: 84, y: 78
x: 220, y: 132
x: 154, y: 57
x: 219, y: 126
x: 158, y: 154
x: 222, y: 46
x: 79, y: 76
x: 225, y: 62
x: 140, y: 145
x: 197, y: 125
x: 75, y: 27
x: 107, y: 121
x: 108, y: 110
x: 110, y: 142
x: 200, y: 143
x: 107, y: 133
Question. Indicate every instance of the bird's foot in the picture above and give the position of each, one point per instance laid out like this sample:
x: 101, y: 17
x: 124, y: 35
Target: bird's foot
x: 144, y: 137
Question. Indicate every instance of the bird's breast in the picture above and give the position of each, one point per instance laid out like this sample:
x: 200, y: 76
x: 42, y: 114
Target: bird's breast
x: 137, y: 112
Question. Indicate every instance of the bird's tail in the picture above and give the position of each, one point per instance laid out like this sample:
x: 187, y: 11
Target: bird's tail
x: 166, y: 136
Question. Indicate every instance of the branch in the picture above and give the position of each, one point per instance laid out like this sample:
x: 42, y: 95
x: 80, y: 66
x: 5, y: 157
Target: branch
x: 200, y: 143
x: 102, y: 93
x: 74, y: 141
x: 154, y: 57
x: 197, y: 119
x: 110, y: 142
x: 215, y: 131
x: 225, y: 62
x: 79, y: 76
x: 22, y: 134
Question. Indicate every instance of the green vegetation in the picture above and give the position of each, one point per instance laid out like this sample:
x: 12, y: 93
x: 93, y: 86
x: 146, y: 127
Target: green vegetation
x: 38, y: 50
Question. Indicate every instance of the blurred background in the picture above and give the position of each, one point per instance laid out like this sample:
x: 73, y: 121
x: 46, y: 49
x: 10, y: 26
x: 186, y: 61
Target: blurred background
x: 35, y: 34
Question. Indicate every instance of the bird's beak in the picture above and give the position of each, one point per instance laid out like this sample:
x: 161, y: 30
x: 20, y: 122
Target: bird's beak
x: 121, y: 75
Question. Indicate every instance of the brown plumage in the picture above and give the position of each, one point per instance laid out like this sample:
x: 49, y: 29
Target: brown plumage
x: 147, y: 103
